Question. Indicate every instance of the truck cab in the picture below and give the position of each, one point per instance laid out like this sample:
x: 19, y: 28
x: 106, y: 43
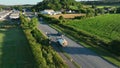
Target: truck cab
x: 62, y: 42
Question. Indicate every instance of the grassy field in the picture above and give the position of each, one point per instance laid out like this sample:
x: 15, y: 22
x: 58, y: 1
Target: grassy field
x: 106, y: 27
x: 67, y: 15
x: 14, y: 48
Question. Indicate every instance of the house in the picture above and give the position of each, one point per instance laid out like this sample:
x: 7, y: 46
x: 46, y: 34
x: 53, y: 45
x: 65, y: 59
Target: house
x: 58, y: 12
x: 69, y: 11
x: 49, y: 12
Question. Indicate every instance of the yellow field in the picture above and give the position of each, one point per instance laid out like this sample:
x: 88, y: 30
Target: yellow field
x: 67, y: 15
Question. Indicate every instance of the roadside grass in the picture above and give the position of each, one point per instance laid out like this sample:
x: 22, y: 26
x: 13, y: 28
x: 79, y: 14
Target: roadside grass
x: 100, y: 51
x: 14, y: 48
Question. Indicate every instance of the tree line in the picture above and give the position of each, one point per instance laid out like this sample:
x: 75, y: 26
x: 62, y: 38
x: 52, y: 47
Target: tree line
x: 43, y: 53
x: 101, y: 2
x: 56, y: 4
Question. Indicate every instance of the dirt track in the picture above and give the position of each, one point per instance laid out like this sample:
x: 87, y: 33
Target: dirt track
x: 67, y: 15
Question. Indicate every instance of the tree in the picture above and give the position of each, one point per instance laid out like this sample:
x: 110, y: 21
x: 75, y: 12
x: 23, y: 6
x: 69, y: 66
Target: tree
x: 0, y: 8
x: 101, y: 10
x: 24, y: 21
x: 61, y: 17
x: 118, y: 10
x: 115, y: 46
x: 17, y: 8
x: 90, y: 12
x: 33, y: 23
x: 56, y: 4
x: 33, y: 10
x: 94, y: 6
x: 20, y: 8
x: 115, y: 10
x: 96, y: 12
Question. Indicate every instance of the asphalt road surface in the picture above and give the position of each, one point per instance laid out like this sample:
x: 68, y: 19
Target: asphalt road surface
x: 81, y: 55
x: 4, y: 15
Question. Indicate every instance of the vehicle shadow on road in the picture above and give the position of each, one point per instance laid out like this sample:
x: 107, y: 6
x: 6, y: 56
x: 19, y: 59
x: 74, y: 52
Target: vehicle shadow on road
x: 73, y: 50
x: 42, y: 22
x: 51, y: 34
x: 78, y: 50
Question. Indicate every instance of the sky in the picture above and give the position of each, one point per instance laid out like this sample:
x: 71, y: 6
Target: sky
x: 19, y: 2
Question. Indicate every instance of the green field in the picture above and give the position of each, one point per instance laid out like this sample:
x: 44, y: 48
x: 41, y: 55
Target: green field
x: 14, y: 48
x: 102, y: 6
x: 107, y: 27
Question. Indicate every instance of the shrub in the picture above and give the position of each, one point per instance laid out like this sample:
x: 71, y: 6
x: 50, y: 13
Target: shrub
x: 79, y: 17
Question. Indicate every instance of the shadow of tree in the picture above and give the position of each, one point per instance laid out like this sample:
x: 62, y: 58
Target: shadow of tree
x: 74, y: 50
x: 115, y: 46
x: 14, y: 48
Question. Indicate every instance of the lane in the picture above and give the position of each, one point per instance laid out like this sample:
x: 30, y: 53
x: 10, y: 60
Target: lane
x: 67, y: 61
x: 83, y: 56
x: 44, y: 30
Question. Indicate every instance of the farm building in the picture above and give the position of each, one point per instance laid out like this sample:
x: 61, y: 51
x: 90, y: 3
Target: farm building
x: 50, y: 12
x: 14, y: 15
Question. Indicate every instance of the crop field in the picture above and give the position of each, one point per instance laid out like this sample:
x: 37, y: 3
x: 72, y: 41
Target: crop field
x: 14, y: 48
x: 106, y: 27
x: 102, y: 6
x: 67, y: 15
x: 113, y: 6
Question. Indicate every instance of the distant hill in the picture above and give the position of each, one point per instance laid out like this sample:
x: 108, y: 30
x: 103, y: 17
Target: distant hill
x: 57, y: 5
x: 102, y: 2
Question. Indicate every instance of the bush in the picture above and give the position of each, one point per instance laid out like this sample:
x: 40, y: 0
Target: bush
x: 90, y: 12
x: 61, y: 17
x: 79, y: 17
x: 115, y: 46
x: 39, y: 37
x: 36, y: 50
x: 118, y: 10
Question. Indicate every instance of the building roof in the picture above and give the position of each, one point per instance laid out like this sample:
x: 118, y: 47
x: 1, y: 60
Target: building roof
x: 49, y: 10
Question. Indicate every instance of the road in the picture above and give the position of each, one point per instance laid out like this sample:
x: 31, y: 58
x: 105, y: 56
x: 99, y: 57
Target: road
x: 81, y: 55
x: 4, y: 14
